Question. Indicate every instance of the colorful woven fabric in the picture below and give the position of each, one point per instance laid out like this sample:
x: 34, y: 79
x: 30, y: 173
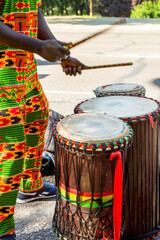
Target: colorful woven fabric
x: 18, y: 67
x: 23, y: 113
x: 22, y: 129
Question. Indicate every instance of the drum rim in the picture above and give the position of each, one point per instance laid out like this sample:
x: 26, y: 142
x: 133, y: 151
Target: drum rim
x: 145, y: 117
x: 65, y: 128
x: 99, y: 92
x: 122, y: 143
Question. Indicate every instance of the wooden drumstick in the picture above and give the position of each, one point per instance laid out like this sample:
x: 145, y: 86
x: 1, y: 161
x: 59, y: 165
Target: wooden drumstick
x: 71, y: 45
x: 106, y: 66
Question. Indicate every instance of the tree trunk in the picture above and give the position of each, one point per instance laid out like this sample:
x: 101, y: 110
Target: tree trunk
x: 76, y: 11
x: 135, y: 2
x: 66, y: 10
x: 52, y: 11
x: 81, y: 11
x: 62, y: 10
x: 91, y: 8
x: 47, y: 12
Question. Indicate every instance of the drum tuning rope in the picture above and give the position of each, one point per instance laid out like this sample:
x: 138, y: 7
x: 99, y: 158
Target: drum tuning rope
x: 85, y: 207
x: 142, y: 191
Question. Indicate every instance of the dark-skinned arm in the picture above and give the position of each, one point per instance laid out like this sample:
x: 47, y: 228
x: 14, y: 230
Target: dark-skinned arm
x: 70, y: 65
x: 50, y: 50
x: 44, y: 31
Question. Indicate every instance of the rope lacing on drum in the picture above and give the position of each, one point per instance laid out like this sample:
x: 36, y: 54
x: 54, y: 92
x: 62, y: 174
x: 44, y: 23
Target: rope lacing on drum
x: 86, y: 228
x: 73, y: 154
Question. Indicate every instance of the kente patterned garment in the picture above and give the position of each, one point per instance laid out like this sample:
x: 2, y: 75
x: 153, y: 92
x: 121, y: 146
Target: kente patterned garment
x: 23, y: 113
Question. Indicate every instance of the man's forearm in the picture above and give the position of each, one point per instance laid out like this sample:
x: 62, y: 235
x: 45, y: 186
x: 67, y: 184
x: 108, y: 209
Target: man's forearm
x: 18, y: 40
x: 44, y: 33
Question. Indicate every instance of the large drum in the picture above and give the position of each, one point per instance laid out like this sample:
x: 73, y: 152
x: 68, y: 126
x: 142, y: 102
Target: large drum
x: 120, y: 89
x: 91, y: 162
x: 142, y: 193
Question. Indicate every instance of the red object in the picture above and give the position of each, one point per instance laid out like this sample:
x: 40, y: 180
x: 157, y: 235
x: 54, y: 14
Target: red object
x: 151, y: 120
x: 118, y: 188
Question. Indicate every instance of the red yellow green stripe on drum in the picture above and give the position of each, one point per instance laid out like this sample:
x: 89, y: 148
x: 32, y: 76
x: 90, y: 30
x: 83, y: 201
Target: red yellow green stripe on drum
x: 85, y: 198
x: 71, y: 45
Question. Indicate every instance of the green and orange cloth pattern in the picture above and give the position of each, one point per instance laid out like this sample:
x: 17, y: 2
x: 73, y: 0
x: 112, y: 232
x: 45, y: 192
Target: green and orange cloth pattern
x: 23, y: 112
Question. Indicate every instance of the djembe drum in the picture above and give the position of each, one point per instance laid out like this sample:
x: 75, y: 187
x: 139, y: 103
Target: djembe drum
x: 142, y: 191
x: 120, y: 89
x: 91, y: 152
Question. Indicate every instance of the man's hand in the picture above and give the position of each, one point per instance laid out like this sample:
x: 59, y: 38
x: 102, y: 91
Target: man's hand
x: 52, y: 51
x: 64, y: 43
x: 71, y: 66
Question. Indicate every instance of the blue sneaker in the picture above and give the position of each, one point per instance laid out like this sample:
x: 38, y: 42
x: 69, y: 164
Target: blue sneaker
x: 9, y: 237
x: 48, y: 191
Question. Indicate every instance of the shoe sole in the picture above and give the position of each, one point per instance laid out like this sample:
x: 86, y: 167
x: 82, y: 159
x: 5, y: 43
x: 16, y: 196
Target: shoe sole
x: 34, y: 199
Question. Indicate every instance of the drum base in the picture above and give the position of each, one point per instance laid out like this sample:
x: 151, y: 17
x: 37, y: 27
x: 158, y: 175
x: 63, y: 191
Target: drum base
x: 149, y: 236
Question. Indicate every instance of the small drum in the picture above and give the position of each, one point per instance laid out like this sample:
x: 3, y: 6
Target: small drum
x: 142, y: 191
x: 90, y: 157
x: 120, y: 89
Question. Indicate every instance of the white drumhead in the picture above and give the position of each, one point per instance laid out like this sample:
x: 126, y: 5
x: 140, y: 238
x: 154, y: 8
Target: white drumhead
x: 121, y: 87
x: 120, y: 106
x: 92, y: 128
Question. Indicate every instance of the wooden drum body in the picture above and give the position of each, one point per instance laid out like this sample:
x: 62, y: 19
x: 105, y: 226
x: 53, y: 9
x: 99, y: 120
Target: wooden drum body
x: 142, y: 192
x: 120, y: 89
x: 85, y: 174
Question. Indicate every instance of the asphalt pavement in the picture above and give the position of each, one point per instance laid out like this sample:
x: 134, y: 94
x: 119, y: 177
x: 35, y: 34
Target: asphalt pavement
x: 137, y: 42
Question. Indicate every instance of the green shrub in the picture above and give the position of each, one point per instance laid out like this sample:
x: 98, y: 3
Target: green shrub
x: 146, y: 10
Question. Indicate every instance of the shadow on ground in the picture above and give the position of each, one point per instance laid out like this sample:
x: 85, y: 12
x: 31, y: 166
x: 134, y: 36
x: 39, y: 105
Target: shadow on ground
x: 156, y: 82
x: 45, y: 62
x: 81, y: 21
x: 41, y: 76
x: 97, y: 21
